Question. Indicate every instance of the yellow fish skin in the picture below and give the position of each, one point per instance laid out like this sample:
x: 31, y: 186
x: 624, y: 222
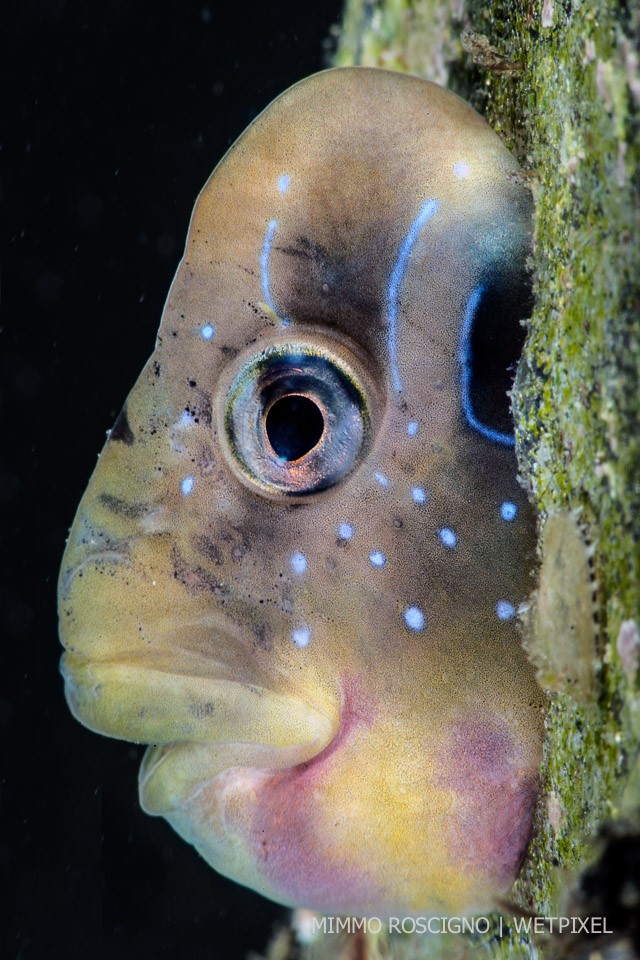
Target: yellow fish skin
x: 296, y: 568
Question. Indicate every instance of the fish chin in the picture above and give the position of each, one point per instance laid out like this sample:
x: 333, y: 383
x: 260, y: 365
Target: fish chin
x: 367, y: 826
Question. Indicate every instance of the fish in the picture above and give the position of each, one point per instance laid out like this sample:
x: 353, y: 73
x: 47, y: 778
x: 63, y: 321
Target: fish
x: 296, y: 570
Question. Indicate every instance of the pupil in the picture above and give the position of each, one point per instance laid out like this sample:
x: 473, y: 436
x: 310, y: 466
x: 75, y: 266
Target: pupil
x: 294, y: 425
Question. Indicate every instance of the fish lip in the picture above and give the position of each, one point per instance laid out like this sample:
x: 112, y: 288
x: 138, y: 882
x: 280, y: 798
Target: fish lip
x: 166, y: 649
x: 214, y: 764
x: 140, y: 704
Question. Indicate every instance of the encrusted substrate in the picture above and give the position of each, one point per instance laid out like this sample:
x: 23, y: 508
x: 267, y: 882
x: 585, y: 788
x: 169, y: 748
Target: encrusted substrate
x: 571, y: 115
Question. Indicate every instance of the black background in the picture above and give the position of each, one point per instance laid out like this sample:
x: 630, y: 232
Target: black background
x: 115, y: 112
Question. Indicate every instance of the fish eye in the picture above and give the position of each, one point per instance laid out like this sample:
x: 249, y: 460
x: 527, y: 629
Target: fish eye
x: 296, y: 419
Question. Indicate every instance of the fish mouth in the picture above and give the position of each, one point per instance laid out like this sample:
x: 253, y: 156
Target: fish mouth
x: 156, y: 674
x: 199, y: 724
x: 143, y: 701
x: 172, y: 775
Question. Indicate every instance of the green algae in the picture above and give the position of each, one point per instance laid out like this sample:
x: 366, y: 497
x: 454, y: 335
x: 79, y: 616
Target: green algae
x: 572, y: 116
x: 414, y: 36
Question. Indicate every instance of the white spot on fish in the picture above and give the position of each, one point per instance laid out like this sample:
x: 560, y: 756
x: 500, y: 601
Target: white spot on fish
x: 301, y: 636
x: 298, y: 562
x: 377, y: 559
x: 412, y: 429
x: 505, y: 610
x: 207, y: 331
x: 345, y: 531
x: 419, y: 495
x: 448, y: 537
x: 187, y: 485
x: 414, y: 618
x: 283, y: 182
x: 382, y: 479
x: 508, y: 510
x: 461, y: 170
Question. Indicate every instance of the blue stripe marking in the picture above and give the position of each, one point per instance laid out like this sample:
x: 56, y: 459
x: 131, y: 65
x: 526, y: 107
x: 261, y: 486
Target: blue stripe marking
x: 427, y: 210
x: 466, y: 374
x: 272, y: 226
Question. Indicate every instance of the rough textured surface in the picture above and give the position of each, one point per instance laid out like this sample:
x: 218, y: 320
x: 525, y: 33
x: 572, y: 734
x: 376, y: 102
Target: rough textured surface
x: 571, y: 115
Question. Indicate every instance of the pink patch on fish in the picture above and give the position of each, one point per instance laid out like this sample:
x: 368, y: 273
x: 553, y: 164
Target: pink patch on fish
x: 495, y: 791
x: 291, y: 853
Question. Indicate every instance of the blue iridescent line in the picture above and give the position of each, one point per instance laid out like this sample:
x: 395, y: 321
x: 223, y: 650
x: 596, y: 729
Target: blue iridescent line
x: 427, y: 210
x: 272, y: 226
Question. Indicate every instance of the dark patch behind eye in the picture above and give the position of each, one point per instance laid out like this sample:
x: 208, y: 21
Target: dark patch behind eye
x: 496, y: 342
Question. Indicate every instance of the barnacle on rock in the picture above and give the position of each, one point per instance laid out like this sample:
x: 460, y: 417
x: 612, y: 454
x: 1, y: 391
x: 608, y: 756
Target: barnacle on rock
x: 560, y: 626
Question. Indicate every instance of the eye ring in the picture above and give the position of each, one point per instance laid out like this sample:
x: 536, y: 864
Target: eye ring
x: 296, y: 417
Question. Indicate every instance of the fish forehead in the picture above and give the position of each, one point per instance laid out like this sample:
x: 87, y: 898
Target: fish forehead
x: 308, y: 212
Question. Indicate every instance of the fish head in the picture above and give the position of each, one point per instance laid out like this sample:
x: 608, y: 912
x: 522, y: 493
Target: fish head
x: 296, y: 568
